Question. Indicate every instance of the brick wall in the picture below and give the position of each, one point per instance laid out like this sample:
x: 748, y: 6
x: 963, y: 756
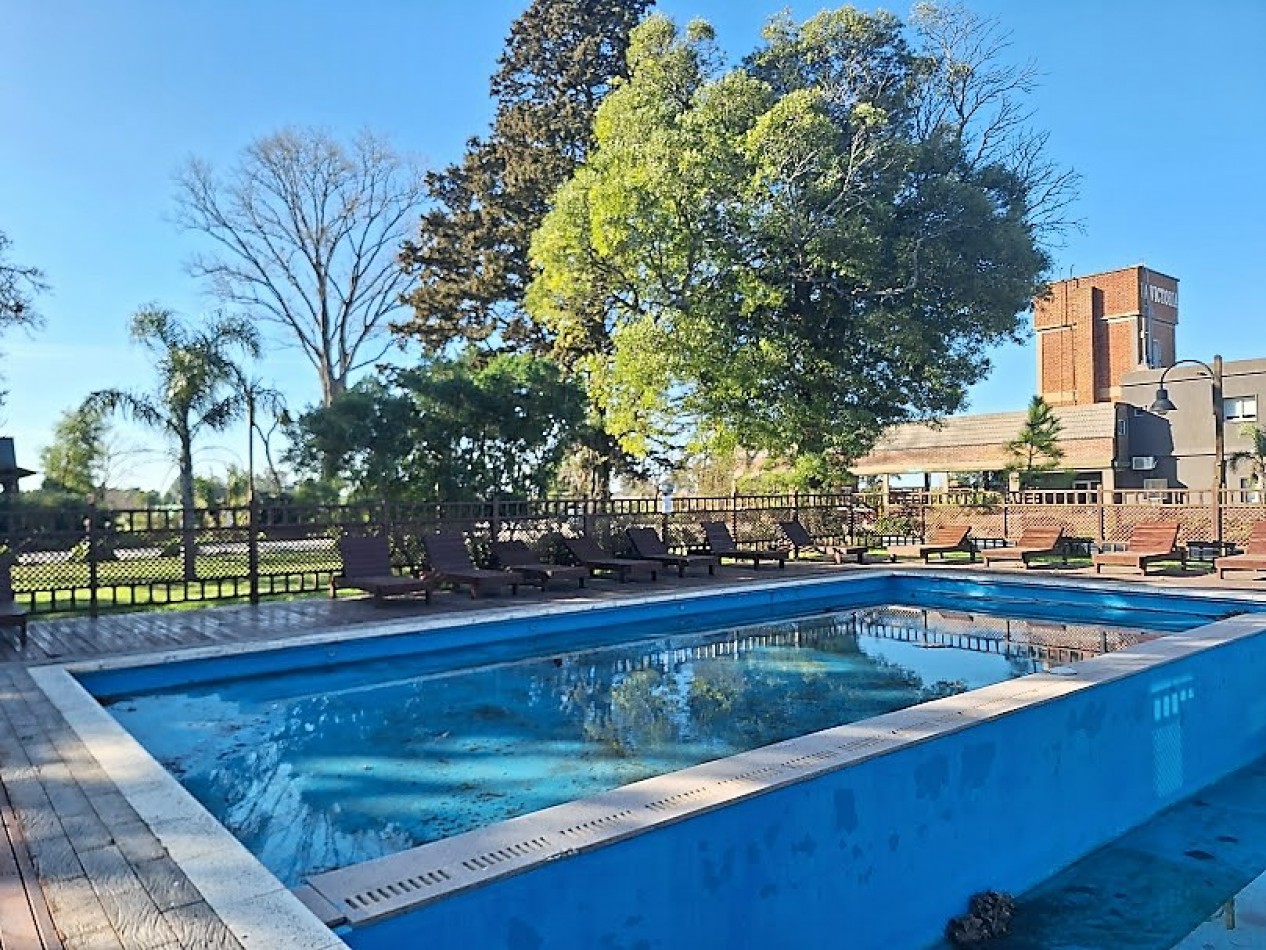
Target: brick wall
x: 1089, y: 331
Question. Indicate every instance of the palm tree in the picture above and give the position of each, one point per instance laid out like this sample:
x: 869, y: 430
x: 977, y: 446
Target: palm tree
x: 1254, y: 458
x: 196, y: 390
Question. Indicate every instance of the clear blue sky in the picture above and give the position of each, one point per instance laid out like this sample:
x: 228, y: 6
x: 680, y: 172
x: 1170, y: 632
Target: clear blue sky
x: 1160, y: 105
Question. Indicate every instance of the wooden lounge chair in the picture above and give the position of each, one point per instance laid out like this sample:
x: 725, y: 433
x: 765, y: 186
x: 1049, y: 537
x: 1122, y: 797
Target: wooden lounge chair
x: 11, y: 615
x: 1149, y: 541
x: 587, y: 553
x: 1042, y: 539
x: 450, y: 561
x: 517, y: 556
x: 722, y: 544
x: 367, y: 567
x: 801, y: 540
x: 648, y: 544
x: 942, y: 540
x: 1253, y: 558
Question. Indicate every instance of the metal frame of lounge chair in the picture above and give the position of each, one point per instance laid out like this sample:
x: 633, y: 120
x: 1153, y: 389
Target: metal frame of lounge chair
x: 1150, y: 541
x: 588, y: 553
x: 1035, y: 540
x: 449, y: 560
x: 648, y: 544
x: 517, y: 556
x: 801, y: 540
x: 1253, y: 558
x: 367, y: 567
x: 722, y: 544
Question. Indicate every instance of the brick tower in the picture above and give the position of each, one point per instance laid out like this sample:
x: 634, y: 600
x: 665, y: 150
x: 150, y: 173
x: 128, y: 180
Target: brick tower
x: 1093, y: 330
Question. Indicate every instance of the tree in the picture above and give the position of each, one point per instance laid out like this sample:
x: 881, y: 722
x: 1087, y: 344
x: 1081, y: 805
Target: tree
x: 1252, y: 458
x: 1036, y: 449
x: 452, y: 429
x: 81, y: 455
x: 806, y: 250
x: 307, y: 230
x: 197, y: 390
x: 19, y: 285
x: 471, y: 256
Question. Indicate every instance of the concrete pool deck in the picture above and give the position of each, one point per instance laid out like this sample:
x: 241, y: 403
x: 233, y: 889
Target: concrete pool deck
x: 91, y: 873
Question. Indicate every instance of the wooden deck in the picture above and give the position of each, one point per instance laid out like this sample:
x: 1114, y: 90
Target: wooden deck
x: 79, y: 869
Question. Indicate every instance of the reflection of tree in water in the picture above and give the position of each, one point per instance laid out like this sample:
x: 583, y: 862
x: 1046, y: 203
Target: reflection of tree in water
x: 326, y: 768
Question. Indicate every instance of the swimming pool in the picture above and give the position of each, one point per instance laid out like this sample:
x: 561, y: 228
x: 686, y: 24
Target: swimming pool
x: 511, y: 640
x: 325, y: 767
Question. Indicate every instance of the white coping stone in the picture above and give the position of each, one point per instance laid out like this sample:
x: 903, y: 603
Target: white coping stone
x: 252, y: 903
x: 271, y: 916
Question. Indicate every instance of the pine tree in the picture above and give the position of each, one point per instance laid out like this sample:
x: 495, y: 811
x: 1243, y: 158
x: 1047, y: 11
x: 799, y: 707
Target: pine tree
x: 471, y: 255
x: 1036, y: 449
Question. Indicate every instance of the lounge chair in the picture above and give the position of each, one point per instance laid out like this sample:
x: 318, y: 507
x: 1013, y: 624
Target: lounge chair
x: 648, y: 544
x: 722, y: 544
x: 801, y: 540
x: 11, y: 615
x: 1253, y: 558
x: 1149, y: 541
x: 942, y: 540
x: 1044, y: 539
x: 517, y: 556
x: 450, y: 561
x: 367, y: 567
x: 588, y: 554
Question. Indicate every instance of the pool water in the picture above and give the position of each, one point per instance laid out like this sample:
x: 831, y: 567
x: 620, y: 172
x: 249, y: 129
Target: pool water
x: 328, y: 766
x: 1153, y: 886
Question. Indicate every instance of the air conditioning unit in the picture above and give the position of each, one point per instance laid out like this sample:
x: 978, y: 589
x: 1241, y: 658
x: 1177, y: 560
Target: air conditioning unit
x: 1143, y: 463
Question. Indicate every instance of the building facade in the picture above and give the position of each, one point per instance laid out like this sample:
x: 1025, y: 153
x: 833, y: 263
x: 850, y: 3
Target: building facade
x: 1093, y: 330
x: 1103, y: 341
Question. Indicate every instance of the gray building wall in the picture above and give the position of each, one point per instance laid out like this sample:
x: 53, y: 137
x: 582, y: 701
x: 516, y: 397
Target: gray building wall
x: 1182, y: 441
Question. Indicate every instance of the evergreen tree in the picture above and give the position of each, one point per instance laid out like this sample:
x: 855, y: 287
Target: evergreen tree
x: 471, y: 256
x: 1036, y: 449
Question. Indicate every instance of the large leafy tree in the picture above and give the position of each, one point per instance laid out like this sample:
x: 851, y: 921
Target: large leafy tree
x: 197, y: 391
x: 305, y: 231
x: 1036, y: 447
x: 452, y: 429
x: 805, y: 250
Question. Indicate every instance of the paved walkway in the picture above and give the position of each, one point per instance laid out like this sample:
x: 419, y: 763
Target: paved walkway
x: 78, y: 868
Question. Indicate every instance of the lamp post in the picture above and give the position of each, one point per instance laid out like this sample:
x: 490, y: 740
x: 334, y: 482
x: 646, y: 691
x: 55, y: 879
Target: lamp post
x: 1164, y: 404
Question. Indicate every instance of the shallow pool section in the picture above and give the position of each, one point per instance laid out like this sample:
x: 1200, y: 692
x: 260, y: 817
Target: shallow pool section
x: 329, y: 766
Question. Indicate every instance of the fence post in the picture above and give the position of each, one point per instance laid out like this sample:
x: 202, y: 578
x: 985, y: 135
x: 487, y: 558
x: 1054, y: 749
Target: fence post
x: 252, y: 548
x: 1103, y: 517
x: 1006, y: 522
x: 734, y: 497
x: 92, y: 556
x: 494, y: 521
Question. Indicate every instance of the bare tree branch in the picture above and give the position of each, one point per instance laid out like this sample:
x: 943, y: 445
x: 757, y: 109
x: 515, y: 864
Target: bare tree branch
x: 306, y: 233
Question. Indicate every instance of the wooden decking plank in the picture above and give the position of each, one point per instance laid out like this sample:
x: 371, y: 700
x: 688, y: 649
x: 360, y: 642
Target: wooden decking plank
x: 18, y: 927
x: 197, y: 927
x: 134, y: 916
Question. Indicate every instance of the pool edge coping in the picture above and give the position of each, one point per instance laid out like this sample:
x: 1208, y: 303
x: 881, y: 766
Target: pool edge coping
x: 260, y: 911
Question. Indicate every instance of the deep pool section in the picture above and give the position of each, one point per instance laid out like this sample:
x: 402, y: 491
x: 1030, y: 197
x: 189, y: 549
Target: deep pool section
x: 327, y: 767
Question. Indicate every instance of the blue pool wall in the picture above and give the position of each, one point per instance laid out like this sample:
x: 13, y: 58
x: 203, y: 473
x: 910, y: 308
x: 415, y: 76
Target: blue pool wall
x: 564, y: 630
x: 883, y: 852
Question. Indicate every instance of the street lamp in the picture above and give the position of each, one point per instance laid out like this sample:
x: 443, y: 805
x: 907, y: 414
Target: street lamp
x: 1164, y: 404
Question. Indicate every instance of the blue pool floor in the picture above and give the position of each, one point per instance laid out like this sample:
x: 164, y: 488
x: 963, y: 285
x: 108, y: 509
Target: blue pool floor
x: 1152, y: 887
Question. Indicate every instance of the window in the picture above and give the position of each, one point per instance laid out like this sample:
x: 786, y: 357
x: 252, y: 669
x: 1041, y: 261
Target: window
x: 1143, y: 463
x: 1122, y: 427
x: 1239, y: 408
